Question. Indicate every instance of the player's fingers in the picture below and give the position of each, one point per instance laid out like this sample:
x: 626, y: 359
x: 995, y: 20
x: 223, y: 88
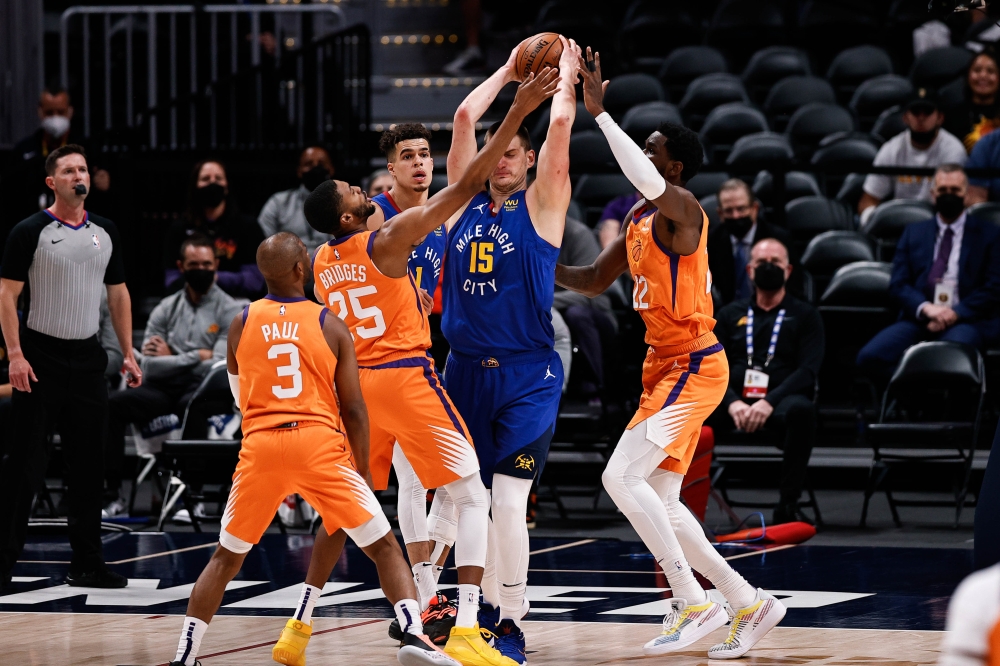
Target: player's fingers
x: 597, y: 62
x: 31, y: 373
x: 604, y: 86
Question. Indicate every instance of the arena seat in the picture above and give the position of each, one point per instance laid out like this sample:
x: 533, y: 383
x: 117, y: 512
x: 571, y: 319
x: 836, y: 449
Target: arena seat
x: 831, y: 250
x: 814, y: 121
x: 710, y: 204
x: 589, y: 152
x: 808, y: 216
x: 876, y: 95
x: 886, y: 224
x: 826, y: 27
x: 583, y: 122
x: 772, y: 64
x: 741, y: 27
x: 685, y: 64
x: 593, y: 191
x: 643, y: 27
x: 758, y: 151
x: 727, y: 123
x: 576, y: 211
x: 851, y: 190
x: 706, y: 183
x: 937, y: 67
x: 792, y: 93
x: 988, y: 210
x: 839, y: 154
x: 855, y: 65
x: 642, y: 119
x: 565, y: 18
x: 627, y: 90
x: 707, y: 92
x: 798, y: 184
x: 889, y: 123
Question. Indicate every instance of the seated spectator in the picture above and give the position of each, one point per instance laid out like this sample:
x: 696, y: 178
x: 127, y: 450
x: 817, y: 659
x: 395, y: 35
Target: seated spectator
x: 985, y: 155
x: 591, y: 325
x: 185, y: 335
x: 945, y: 279
x: 212, y: 212
x: 924, y: 144
x: 283, y: 211
x: 978, y: 112
x: 378, y: 182
x: 613, y: 215
x: 771, y: 381
x: 729, y: 245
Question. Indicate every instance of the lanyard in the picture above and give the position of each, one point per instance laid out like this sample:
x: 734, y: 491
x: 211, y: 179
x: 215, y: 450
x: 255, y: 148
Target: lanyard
x: 774, y: 336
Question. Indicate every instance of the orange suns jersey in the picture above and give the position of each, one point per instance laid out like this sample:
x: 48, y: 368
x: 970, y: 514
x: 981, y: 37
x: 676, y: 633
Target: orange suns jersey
x: 384, y: 314
x: 286, y: 366
x: 672, y: 293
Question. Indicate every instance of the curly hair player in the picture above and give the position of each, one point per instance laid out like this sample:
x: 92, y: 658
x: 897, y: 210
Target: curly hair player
x: 684, y: 378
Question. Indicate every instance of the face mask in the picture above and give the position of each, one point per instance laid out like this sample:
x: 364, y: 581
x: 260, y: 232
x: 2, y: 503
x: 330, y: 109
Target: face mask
x: 924, y: 138
x: 312, y: 178
x: 738, y: 226
x: 199, y: 279
x: 55, y: 126
x: 209, y: 196
x: 950, y: 206
x: 769, y: 277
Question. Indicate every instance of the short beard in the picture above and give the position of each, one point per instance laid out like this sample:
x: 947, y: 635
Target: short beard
x: 364, y: 211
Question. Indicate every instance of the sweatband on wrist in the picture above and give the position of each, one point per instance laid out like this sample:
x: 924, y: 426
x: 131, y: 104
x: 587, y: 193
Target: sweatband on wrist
x: 634, y: 164
x: 234, y: 386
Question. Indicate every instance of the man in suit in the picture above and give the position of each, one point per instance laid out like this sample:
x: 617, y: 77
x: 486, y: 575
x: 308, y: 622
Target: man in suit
x: 945, y: 279
x: 729, y: 244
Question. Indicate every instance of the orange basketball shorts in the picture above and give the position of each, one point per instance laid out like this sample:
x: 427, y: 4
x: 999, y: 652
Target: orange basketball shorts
x: 312, y: 460
x: 679, y: 392
x: 407, y: 404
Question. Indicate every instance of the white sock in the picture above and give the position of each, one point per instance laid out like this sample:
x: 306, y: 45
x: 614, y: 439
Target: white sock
x: 512, y: 601
x: 408, y: 614
x: 468, y: 605
x: 683, y: 584
x: 191, y: 634
x: 423, y: 577
x: 307, y: 602
x: 437, y: 574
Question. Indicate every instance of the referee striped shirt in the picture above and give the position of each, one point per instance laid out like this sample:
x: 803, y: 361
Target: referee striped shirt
x: 65, y: 268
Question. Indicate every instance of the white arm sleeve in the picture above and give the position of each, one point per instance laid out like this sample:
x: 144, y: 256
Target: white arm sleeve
x: 234, y: 386
x: 634, y: 163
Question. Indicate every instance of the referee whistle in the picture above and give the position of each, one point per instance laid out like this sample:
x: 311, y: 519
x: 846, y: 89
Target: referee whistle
x: 80, y: 189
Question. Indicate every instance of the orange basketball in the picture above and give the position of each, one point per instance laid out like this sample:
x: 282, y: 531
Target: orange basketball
x: 537, y: 53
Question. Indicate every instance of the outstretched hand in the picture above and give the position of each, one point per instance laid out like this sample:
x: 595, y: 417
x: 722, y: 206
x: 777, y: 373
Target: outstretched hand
x: 534, y: 91
x: 593, y: 86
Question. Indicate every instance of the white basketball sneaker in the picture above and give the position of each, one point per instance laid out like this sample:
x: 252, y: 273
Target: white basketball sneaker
x: 749, y: 626
x: 684, y: 625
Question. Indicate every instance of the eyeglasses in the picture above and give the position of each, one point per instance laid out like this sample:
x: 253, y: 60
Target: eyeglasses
x: 736, y: 211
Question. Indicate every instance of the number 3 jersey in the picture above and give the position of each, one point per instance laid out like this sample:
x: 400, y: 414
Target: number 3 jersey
x: 286, y: 366
x: 383, y: 313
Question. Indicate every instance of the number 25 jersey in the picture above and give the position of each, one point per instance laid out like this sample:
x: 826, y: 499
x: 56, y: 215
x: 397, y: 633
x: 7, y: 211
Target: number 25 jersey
x: 286, y: 366
x: 672, y: 293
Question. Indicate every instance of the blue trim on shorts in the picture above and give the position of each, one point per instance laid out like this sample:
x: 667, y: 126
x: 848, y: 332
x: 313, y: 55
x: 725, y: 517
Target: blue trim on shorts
x: 694, y: 366
x: 411, y: 362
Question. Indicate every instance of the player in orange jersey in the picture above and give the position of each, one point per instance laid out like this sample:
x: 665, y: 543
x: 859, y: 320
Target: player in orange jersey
x: 362, y: 275
x: 290, y: 364
x: 684, y: 378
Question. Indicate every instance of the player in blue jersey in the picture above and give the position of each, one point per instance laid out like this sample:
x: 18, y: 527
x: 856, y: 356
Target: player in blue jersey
x: 503, y: 374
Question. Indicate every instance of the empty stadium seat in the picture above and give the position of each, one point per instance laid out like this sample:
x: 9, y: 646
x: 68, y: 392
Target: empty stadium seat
x: 876, y: 95
x: 640, y: 38
x: 707, y: 92
x: 861, y: 284
x: 642, y: 120
x: 627, y: 90
x: 937, y: 67
x: 798, y: 184
x: 853, y: 66
x: 589, y: 152
x: 886, y: 224
x: 851, y: 190
x: 593, y: 191
x: 812, y: 122
x: 809, y: 216
x: 826, y: 27
x: 687, y: 63
x: 727, y: 123
x: 772, y: 64
x: 889, y: 123
x: 741, y: 27
x: 841, y: 155
x: 583, y: 122
x: 829, y: 251
x: 763, y: 150
x: 989, y: 210
x: 710, y: 205
x: 792, y: 93
x: 565, y: 18
x: 706, y: 183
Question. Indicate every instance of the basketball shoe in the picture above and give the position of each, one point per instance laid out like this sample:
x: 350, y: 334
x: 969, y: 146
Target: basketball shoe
x: 510, y: 641
x: 749, y: 626
x: 419, y: 651
x: 438, y: 619
x: 468, y: 646
x: 684, y: 625
x: 489, y: 618
x: 291, y: 646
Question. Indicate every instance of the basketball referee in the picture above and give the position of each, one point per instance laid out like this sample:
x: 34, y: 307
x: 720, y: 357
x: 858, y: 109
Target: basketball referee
x: 60, y: 259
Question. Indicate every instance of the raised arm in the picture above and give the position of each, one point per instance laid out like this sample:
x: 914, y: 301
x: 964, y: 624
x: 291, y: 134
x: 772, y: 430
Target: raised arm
x: 399, y: 235
x: 548, y: 197
x: 353, y: 411
x: 676, y: 204
x: 594, y: 279
x: 472, y: 108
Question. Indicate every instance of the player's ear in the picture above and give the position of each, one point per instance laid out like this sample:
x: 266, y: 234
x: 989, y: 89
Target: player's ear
x: 531, y: 158
x: 50, y: 182
x: 391, y: 168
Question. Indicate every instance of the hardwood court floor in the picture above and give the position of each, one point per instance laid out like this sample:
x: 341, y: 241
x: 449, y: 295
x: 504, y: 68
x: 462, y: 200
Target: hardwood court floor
x: 47, y: 639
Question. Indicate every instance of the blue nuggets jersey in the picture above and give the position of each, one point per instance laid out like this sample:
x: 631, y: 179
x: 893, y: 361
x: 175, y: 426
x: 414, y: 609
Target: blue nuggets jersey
x: 498, y: 281
x: 425, y: 260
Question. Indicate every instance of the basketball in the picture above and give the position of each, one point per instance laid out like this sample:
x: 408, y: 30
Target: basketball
x: 537, y: 53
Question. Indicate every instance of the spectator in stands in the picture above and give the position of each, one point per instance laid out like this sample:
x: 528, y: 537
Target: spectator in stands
x: 590, y: 322
x: 283, y: 211
x: 185, y: 335
x: 985, y: 155
x: 729, y: 245
x: 978, y: 112
x: 771, y: 383
x: 378, y: 182
x: 924, y: 144
x: 945, y: 279
x: 212, y: 212
x: 612, y: 217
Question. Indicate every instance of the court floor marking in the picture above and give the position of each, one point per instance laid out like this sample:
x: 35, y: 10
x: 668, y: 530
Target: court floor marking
x: 761, y: 552
x: 657, y: 572
x: 564, y: 546
x: 168, y: 552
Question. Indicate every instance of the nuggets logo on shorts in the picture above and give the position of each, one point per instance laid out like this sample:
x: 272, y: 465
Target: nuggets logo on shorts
x: 524, y: 462
x: 491, y: 363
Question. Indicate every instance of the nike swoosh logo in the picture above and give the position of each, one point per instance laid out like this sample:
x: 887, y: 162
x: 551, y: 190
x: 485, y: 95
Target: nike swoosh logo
x: 58, y: 241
